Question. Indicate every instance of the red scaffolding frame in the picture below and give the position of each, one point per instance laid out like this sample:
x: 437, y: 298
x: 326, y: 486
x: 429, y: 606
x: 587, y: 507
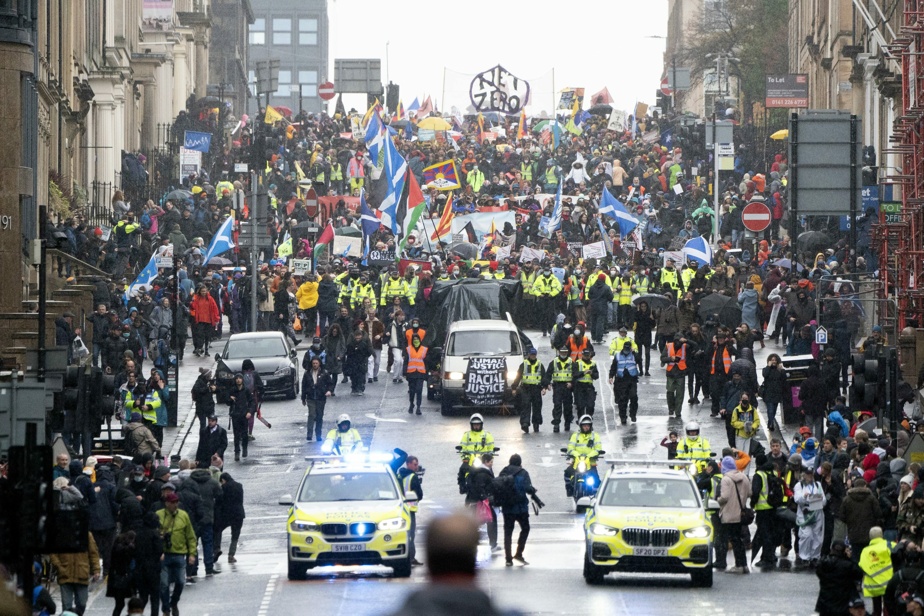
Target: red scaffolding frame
x: 900, y: 241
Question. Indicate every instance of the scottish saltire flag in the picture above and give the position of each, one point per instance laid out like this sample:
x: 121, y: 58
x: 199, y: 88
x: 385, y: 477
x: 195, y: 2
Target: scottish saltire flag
x: 612, y: 207
x: 555, y: 218
x: 413, y: 107
x: 222, y: 241
x: 443, y: 174
x: 375, y: 137
x: 394, y: 172
x: 698, y: 250
x: 144, y: 279
x: 667, y: 137
x: 604, y: 234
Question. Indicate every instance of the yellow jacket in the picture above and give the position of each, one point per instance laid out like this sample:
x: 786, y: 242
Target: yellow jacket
x: 307, y: 295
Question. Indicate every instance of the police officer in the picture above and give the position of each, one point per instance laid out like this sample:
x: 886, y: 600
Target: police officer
x: 585, y: 442
x: 477, y: 440
x: 674, y: 360
x: 584, y: 373
x: 528, y: 383
x: 559, y: 374
x: 392, y: 287
x: 670, y: 279
x: 342, y: 439
x: 624, y: 379
x: 361, y: 291
x: 411, y: 477
x: 547, y: 289
x: 694, y: 446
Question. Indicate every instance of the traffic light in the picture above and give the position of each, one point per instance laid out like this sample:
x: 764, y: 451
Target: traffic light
x: 870, y: 170
x: 868, y: 373
x: 391, y: 96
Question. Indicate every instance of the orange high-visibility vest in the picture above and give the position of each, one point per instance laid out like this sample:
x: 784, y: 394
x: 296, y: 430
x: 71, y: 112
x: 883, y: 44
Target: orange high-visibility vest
x: 415, y: 359
x: 681, y: 365
x: 576, y: 350
x: 726, y: 361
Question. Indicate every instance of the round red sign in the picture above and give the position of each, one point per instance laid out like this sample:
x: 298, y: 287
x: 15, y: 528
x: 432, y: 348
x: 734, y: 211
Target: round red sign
x: 326, y: 91
x: 756, y: 216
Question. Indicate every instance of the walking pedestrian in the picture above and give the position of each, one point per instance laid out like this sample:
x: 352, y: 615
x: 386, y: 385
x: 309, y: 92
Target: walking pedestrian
x: 674, y: 358
x: 810, y: 500
x: 527, y: 389
x: 203, y: 394
x: 478, y: 493
x: 355, y: 358
x: 516, y: 507
x: 746, y: 423
x: 211, y: 503
x: 411, y: 478
x: 103, y: 515
x: 415, y: 371
x: 231, y: 515
x: 120, y: 582
x: 316, y: 388
x: 558, y: 375
x: 213, y: 441
x: 734, y: 491
x: 838, y: 577
x: 720, y: 361
x: 772, y: 387
x: 583, y: 376
x: 624, y: 373
x: 179, y: 550
x: 240, y: 401
x: 876, y: 562
x: 75, y: 571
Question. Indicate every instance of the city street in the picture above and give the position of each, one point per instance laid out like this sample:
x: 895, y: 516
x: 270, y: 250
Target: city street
x: 551, y: 584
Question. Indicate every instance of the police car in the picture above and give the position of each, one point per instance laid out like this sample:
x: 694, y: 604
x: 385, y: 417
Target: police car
x: 348, y: 510
x: 648, y: 517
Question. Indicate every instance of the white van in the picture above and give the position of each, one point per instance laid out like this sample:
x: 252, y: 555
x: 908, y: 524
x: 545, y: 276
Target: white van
x: 480, y: 360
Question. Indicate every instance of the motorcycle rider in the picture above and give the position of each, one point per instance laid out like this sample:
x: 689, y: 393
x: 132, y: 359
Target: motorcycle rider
x: 477, y: 440
x: 587, y: 443
x: 342, y: 439
x: 694, y: 447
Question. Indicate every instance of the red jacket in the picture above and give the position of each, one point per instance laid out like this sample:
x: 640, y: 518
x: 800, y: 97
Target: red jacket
x: 204, y: 310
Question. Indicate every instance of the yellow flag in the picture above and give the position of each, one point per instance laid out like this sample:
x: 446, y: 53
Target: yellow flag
x: 272, y: 116
x: 372, y: 109
x: 285, y: 248
x: 300, y: 175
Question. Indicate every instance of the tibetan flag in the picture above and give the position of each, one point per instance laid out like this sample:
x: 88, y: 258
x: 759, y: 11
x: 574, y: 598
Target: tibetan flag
x: 443, y: 174
x: 571, y: 127
x: 272, y: 116
x: 399, y: 112
x: 521, y: 127
x: 444, y: 226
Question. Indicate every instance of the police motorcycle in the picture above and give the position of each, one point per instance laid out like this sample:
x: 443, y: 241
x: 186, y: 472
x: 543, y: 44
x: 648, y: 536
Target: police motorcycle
x: 585, y: 481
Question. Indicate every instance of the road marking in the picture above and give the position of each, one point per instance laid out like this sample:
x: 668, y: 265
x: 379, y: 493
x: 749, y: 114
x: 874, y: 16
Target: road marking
x: 389, y: 419
x: 268, y: 595
x: 606, y: 423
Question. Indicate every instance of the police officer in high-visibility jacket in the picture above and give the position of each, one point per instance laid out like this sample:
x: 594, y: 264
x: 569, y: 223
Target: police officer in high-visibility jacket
x: 674, y: 359
x: 558, y: 375
x: 670, y: 279
x: 411, y: 477
x: 343, y: 439
x: 477, y: 440
x: 694, y: 447
x: 415, y: 371
x: 546, y: 289
x: 624, y: 379
x: 876, y: 562
x: 584, y: 373
x: 392, y: 287
x: 584, y: 442
x: 765, y: 538
x: 528, y: 386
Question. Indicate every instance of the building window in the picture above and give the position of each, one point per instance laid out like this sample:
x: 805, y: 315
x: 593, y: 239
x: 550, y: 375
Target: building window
x: 252, y: 82
x: 308, y: 80
x: 307, y: 31
x: 284, y: 87
x: 258, y: 32
x: 716, y: 15
x: 282, y: 32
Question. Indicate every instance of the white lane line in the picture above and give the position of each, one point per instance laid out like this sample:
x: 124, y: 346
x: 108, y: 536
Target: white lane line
x: 268, y: 595
x: 605, y: 386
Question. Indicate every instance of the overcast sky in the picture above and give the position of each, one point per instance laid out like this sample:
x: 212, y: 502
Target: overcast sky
x: 606, y: 46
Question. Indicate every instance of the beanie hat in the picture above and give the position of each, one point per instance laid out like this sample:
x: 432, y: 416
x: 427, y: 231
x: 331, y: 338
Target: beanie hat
x: 136, y: 417
x: 919, y: 492
x: 728, y: 464
x: 795, y: 459
x: 160, y: 471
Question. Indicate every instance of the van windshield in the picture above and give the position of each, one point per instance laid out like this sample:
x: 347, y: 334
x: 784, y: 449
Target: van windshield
x: 483, y: 343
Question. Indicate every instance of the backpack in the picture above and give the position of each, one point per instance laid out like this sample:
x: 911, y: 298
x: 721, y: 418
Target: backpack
x: 505, y: 490
x: 775, y: 492
x: 131, y: 448
x: 906, y: 588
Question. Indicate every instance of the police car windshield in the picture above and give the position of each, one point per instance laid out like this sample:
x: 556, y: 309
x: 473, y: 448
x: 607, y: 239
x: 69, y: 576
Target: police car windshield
x: 259, y: 347
x: 336, y: 487
x: 648, y: 492
x: 483, y: 343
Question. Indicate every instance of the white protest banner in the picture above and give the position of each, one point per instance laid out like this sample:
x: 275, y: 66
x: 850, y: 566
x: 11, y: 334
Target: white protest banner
x: 530, y: 254
x: 300, y: 267
x: 345, y: 246
x: 503, y: 252
x: 617, y: 120
x: 596, y: 250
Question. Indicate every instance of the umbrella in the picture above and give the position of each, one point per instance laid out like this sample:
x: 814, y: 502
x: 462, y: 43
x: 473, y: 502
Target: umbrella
x: 284, y: 110
x: 305, y: 224
x: 464, y: 250
x: 787, y: 264
x: 654, y: 301
x: 348, y: 231
x: 780, y: 135
x: 178, y: 195
x: 207, y: 101
x: 402, y: 124
x: 601, y: 109
x: 726, y: 307
x: 813, y: 241
x: 434, y: 123
x: 699, y: 250
x: 219, y: 261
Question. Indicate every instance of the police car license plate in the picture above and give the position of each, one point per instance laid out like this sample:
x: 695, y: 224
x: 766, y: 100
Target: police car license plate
x: 649, y: 551
x: 348, y: 547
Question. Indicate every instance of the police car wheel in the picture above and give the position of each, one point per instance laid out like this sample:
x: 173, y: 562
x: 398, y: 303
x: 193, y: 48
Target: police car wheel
x: 593, y: 574
x: 402, y: 569
x: 297, y: 571
x: 703, y: 578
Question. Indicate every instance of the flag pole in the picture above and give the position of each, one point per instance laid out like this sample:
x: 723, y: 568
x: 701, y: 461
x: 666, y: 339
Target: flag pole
x: 444, y: 86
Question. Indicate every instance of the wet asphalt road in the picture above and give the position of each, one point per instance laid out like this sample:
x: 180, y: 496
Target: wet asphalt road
x: 551, y: 584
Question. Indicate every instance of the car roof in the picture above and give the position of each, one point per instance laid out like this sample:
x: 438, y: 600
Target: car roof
x: 255, y: 335
x: 482, y: 324
x: 650, y: 473
x: 325, y: 468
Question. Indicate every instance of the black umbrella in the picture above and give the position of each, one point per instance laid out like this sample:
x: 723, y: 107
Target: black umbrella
x: 813, y: 241
x: 601, y: 109
x: 219, y: 261
x: 178, y: 195
x: 729, y: 314
x: 654, y: 301
x: 464, y: 250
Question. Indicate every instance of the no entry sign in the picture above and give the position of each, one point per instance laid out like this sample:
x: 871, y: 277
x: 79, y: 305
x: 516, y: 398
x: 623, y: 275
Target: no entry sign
x: 756, y: 216
x: 326, y: 91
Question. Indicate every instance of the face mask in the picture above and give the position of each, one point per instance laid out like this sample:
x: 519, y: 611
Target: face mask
x: 126, y: 336
x: 138, y: 478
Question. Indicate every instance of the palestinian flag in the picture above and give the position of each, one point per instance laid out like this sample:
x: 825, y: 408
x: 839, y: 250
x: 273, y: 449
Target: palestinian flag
x: 410, y: 207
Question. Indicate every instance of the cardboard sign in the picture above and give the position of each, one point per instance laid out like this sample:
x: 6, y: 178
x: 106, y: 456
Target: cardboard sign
x: 596, y: 250
x: 485, y: 381
x: 381, y: 257
x: 300, y: 267
x: 527, y: 255
x: 345, y: 246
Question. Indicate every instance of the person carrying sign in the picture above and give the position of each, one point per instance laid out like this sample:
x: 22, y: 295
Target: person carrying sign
x: 528, y: 382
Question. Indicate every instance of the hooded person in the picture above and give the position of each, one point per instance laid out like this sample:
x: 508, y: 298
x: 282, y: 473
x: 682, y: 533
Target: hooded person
x: 254, y: 385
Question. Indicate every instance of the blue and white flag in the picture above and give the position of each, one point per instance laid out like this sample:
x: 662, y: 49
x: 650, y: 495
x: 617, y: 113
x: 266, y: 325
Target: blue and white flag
x: 200, y: 142
x: 612, y: 207
x: 369, y: 220
x: 698, y: 250
x: 604, y: 234
x: 375, y: 137
x: 144, y: 279
x: 555, y: 219
x: 394, y: 172
x: 222, y: 241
